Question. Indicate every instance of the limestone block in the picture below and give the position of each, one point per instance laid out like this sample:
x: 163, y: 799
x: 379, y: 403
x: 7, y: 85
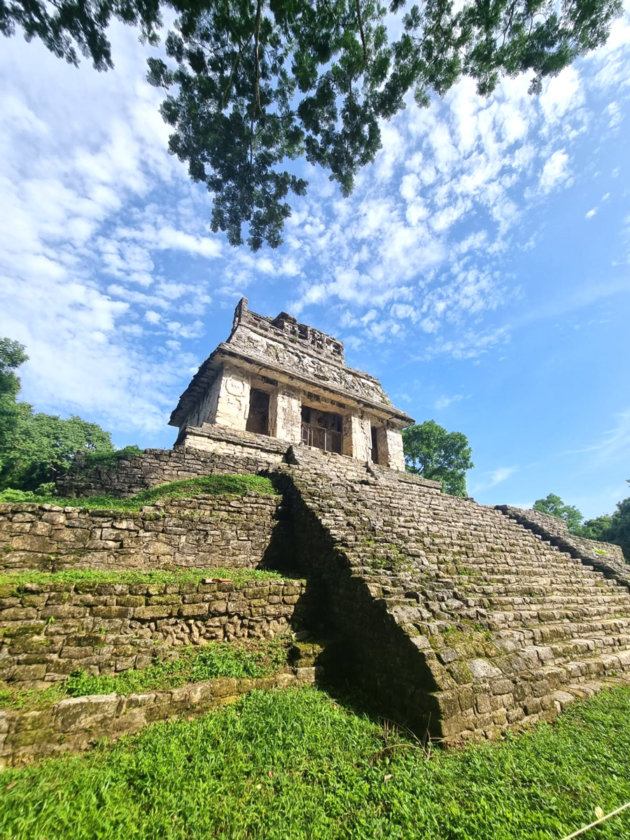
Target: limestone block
x: 85, y: 712
x: 481, y: 669
x: 357, y: 437
x: 233, y: 400
x: 395, y: 455
x: 285, y: 418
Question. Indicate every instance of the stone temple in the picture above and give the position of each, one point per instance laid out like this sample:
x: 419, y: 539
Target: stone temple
x: 454, y: 619
x: 277, y: 378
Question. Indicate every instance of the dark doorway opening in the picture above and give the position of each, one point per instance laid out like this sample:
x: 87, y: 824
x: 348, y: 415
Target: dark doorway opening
x: 374, y: 445
x: 321, y: 429
x: 258, y: 417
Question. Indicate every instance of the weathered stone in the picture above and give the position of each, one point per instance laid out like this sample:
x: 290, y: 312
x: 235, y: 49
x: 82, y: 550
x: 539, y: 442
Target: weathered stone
x: 85, y: 712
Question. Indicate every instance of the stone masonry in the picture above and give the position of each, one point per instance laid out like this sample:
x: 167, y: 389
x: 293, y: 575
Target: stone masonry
x: 133, y: 473
x: 53, y: 629
x: 456, y: 619
x: 289, y: 382
x: 605, y: 557
x: 200, y: 532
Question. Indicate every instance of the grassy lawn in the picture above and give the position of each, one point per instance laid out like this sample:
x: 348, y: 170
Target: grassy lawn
x: 205, y: 485
x: 294, y: 764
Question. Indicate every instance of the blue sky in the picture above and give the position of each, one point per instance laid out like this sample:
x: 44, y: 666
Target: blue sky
x: 480, y: 269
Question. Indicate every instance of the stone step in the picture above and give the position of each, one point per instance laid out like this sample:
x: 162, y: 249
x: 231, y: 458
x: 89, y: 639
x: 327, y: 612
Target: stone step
x: 541, y: 601
x: 523, y: 618
x: 550, y: 633
x: 571, y: 648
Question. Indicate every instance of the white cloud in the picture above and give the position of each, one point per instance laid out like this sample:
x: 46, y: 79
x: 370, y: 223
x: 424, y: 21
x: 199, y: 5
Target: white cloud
x: 563, y: 93
x: 444, y: 401
x: 501, y: 474
x: 614, y: 443
x: 492, y: 478
x: 555, y: 171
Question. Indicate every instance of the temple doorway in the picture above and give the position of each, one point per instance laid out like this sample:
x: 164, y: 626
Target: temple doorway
x: 258, y: 417
x: 322, y: 429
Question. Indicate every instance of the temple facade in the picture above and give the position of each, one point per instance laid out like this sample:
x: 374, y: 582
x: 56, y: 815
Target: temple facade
x: 276, y: 383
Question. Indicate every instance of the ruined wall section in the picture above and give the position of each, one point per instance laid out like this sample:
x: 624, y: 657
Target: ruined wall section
x: 242, y: 454
x: 52, y: 629
x: 202, y: 532
x: 318, y: 342
x: 78, y: 723
x: 605, y: 557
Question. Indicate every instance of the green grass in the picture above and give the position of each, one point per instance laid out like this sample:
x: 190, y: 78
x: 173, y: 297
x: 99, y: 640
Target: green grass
x: 14, y: 582
x: 216, y: 484
x: 109, y: 459
x: 193, y: 664
x: 294, y: 764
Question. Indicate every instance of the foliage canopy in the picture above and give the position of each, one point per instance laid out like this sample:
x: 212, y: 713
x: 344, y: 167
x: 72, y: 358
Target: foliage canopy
x: 614, y: 528
x: 434, y: 453
x: 255, y: 84
x: 35, y: 447
x: 554, y: 506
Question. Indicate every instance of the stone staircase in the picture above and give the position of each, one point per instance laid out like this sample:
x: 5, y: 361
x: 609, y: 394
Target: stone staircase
x: 458, y: 619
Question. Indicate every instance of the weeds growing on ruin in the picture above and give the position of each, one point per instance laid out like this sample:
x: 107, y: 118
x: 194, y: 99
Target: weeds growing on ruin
x: 250, y: 659
x: 15, y: 582
x: 216, y: 484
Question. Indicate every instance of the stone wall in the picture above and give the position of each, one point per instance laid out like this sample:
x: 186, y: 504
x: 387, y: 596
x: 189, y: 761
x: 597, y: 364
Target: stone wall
x: 133, y: 473
x: 204, y: 532
x: 79, y: 722
x: 256, y: 452
x: 605, y: 557
x: 50, y: 630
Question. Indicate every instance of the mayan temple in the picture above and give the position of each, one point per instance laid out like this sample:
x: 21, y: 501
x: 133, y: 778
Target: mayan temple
x: 453, y: 618
x: 288, y: 381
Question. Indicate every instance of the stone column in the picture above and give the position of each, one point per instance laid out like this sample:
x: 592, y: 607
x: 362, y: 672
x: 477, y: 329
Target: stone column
x: 206, y: 410
x: 285, y: 415
x: 357, y: 437
x: 233, y: 400
x: 393, y: 447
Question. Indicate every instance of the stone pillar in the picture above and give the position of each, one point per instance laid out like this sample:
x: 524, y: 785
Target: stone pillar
x: 393, y: 447
x: 233, y: 399
x: 206, y: 410
x: 382, y: 446
x: 285, y: 415
x: 357, y: 437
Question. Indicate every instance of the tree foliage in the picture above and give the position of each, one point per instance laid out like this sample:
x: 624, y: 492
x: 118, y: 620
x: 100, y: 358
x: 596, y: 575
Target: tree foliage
x: 614, y: 529
x: 619, y: 530
x: 35, y: 447
x: 254, y: 84
x: 554, y: 506
x: 434, y: 453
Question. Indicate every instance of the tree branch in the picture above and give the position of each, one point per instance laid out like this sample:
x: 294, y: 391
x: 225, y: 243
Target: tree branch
x: 361, y: 32
x: 257, y: 87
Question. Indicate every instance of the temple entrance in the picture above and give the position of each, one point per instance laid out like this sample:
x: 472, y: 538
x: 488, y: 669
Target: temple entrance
x: 258, y: 417
x: 374, y: 445
x: 321, y: 429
